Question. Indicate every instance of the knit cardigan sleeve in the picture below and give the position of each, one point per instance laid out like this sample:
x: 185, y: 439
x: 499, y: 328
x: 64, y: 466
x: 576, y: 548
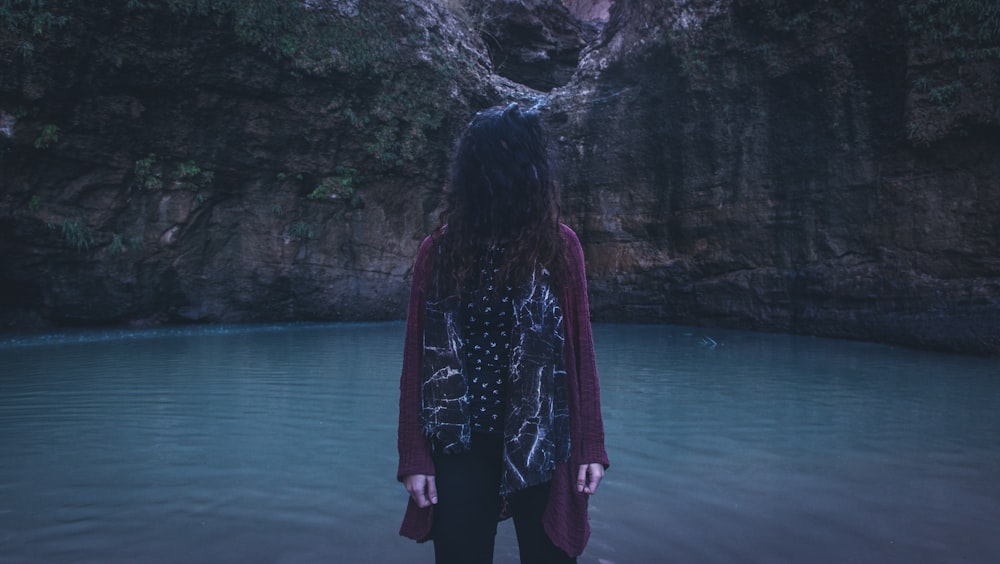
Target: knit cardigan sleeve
x: 589, y: 435
x: 414, y: 447
x: 565, y: 519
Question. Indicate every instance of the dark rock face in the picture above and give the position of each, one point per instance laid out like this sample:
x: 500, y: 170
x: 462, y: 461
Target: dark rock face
x: 589, y: 10
x: 536, y: 43
x: 733, y: 166
x: 741, y: 163
x: 188, y: 176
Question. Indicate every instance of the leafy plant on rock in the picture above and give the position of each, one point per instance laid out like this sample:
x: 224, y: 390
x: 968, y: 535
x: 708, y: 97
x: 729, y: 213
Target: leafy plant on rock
x: 341, y: 186
x: 189, y: 173
x: 47, y: 137
x: 117, y: 245
x: 302, y: 230
x: 77, y: 234
x: 970, y: 27
x: 34, y: 17
x: 147, y: 174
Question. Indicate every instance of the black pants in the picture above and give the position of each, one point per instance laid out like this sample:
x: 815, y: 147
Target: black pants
x: 465, y: 517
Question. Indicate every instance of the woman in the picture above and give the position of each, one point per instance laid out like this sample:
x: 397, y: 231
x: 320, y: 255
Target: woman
x: 499, y: 408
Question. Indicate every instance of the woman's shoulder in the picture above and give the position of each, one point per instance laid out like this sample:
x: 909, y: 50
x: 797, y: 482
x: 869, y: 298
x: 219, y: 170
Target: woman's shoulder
x: 425, y: 255
x: 573, y: 247
x: 426, y: 244
x: 430, y: 240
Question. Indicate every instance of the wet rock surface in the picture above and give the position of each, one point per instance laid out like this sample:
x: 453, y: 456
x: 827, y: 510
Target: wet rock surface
x: 536, y: 43
x: 827, y: 171
x: 736, y: 166
x: 193, y: 177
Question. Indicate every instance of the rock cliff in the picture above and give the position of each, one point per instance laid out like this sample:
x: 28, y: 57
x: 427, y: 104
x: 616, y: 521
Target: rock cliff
x: 818, y: 168
x: 169, y: 165
x: 812, y: 167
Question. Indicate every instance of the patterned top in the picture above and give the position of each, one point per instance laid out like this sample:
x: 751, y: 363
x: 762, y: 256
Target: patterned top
x: 486, y: 348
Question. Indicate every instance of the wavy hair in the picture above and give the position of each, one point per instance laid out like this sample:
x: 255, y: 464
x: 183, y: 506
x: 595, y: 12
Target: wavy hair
x: 501, y: 194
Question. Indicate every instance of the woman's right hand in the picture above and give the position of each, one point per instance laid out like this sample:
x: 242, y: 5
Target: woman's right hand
x: 422, y: 489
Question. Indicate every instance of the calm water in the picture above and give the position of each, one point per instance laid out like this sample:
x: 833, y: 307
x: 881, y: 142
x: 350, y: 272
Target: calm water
x: 277, y: 445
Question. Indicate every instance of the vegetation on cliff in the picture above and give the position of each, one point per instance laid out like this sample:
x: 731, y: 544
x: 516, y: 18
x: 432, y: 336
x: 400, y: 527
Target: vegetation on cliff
x: 954, y: 44
x: 137, y: 134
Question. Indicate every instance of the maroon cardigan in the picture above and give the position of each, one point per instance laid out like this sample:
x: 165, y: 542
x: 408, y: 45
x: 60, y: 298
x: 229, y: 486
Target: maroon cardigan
x: 565, y: 519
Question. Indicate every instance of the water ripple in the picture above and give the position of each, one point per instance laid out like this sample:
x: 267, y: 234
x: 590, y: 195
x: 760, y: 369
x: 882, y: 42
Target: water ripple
x: 277, y: 444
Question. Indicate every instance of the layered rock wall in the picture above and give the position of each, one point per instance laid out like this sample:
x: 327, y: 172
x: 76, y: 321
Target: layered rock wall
x: 189, y: 174
x: 733, y: 164
x: 817, y: 168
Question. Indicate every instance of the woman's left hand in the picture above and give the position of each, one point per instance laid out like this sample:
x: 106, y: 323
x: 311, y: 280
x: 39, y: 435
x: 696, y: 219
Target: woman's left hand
x: 588, y: 478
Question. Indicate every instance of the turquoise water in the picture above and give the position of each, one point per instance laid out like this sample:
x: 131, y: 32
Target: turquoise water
x: 277, y: 444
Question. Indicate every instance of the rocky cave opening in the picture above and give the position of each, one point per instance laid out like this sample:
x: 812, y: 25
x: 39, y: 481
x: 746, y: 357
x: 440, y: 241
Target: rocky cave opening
x: 537, y: 43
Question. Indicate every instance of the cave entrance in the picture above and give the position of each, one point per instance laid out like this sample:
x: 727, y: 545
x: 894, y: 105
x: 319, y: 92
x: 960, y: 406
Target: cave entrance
x: 538, y: 43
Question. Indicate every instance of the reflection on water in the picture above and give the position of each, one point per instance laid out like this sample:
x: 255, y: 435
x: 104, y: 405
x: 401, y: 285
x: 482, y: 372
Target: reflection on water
x: 277, y: 444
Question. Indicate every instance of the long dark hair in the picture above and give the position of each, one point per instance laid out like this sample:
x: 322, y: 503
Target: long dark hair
x: 501, y: 194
